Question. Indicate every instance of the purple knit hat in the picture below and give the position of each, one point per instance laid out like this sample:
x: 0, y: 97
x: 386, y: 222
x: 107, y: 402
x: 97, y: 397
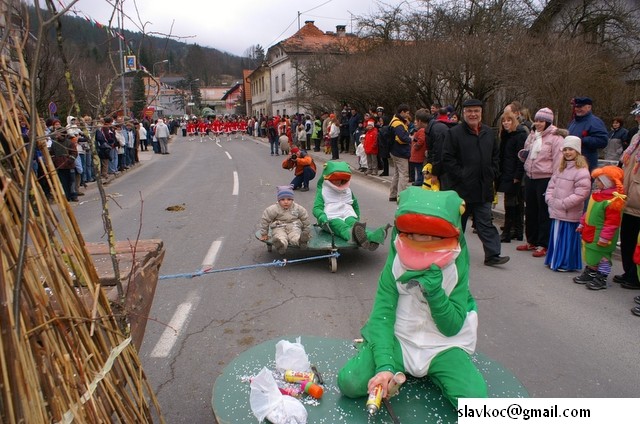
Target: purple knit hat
x: 284, y: 192
x: 545, y: 114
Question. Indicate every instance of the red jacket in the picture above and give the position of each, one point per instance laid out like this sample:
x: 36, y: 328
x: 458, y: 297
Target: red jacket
x: 371, y: 142
x: 418, y: 147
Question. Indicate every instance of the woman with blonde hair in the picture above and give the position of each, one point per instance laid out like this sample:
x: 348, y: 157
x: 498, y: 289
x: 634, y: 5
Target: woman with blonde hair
x: 512, y: 138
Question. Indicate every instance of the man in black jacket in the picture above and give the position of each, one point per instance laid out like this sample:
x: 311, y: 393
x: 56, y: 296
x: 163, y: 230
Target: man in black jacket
x: 470, y: 158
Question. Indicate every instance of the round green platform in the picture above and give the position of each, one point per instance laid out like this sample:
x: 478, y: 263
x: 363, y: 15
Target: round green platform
x: 419, y: 400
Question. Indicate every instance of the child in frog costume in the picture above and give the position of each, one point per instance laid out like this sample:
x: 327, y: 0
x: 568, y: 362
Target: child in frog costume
x: 424, y: 320
x: 337, y: 208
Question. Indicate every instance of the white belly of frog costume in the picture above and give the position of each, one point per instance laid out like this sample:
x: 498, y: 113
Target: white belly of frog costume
x: 420, y: 338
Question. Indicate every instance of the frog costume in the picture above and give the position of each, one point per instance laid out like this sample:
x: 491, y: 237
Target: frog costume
x: 337, y: 208
x: 424, y: 320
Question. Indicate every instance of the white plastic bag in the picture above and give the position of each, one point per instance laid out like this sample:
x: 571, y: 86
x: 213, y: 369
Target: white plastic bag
x: 291, y: 356
x: 267, y: 402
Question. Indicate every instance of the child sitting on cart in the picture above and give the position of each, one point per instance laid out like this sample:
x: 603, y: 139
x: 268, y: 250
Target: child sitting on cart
x: 337, y: 209
x: 287, y: 221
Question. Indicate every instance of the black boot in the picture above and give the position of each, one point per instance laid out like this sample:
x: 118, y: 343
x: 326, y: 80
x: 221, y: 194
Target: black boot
x: 505, y: 237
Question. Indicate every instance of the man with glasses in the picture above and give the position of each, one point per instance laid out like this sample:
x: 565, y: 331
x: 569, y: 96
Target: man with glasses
x: 470, y: 158
x: 589, y: 128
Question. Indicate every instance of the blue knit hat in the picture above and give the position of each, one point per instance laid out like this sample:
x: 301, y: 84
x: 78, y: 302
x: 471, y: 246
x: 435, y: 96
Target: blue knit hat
x: 284, y: 192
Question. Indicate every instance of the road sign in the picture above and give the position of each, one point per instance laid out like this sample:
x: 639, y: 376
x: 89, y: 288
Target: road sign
x: 130, y: 63
x: 53, y: 108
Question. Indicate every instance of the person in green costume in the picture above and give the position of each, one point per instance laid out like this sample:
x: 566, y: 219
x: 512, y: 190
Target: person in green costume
x: 424, y: 320
x: 337, y: 209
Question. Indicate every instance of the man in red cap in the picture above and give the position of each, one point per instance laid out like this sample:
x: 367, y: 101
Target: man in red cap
x: 304, y: 168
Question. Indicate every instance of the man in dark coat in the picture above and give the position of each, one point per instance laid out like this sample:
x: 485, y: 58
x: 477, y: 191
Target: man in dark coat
x: 470, y: 159
x: 590, y: 129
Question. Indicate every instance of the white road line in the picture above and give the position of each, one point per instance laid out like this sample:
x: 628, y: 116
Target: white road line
x: 228, y: 155
x: 174, y: 329
x: 212, y: 253
x: 235, y: 183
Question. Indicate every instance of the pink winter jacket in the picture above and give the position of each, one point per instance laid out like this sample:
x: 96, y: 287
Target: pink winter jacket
x: 548, y: 160
x: 567, y: 192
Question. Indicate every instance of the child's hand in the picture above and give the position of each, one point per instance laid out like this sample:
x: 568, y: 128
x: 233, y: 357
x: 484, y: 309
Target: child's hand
x: 264, y: 237
x: 579, y: 229
x: 603, y: 242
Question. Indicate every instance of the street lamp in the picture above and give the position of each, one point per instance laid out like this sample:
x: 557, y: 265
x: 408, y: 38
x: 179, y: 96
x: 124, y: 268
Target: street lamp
x: 190, y: 103
x: 153, y: 68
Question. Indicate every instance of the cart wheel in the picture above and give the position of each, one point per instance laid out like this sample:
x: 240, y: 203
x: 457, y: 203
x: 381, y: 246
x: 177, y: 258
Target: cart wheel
x: 333, y: 264
x: 269, y: 248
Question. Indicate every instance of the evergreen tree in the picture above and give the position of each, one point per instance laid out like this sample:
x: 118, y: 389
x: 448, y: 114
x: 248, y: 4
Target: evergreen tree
x: 138, y: 97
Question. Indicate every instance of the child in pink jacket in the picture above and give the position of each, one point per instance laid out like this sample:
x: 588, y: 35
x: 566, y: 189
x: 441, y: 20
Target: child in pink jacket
x: 566, y: 193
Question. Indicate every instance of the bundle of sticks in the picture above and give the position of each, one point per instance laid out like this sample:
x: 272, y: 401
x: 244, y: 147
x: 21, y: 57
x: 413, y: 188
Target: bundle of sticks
x: 63, y: 358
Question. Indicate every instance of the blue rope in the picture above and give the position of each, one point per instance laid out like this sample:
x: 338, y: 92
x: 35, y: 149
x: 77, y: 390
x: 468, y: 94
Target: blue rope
x: 278, y: 262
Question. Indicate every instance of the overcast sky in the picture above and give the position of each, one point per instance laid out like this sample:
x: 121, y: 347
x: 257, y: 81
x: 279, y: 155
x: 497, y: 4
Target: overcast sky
x: 230, y: 25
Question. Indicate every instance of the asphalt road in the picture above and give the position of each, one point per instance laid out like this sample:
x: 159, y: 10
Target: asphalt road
x: 558, y: 338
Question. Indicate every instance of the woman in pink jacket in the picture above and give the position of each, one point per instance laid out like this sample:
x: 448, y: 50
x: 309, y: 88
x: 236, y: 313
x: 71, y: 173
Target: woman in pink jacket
x: 566, y: 193
x: 541, y: 155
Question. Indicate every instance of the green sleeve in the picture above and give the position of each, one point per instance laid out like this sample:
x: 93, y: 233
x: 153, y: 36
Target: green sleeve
x: 318, y: 204
x: 355, y: 205
x: 379, y: 330
x: 450, y: 312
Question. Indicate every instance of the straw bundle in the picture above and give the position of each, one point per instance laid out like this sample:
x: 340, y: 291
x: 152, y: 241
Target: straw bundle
x: 63, y: 359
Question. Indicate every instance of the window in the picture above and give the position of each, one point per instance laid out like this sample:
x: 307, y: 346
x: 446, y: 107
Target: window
x: 283, y: 87
x: 277, y: 86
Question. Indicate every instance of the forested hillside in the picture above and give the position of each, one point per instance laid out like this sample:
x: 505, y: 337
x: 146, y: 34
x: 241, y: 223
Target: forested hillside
x: 90, y: 42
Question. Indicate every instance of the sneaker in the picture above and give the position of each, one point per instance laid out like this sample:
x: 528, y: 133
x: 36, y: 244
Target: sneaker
x: 598, y: 283
x: 539, y: 252
x: 304, y: 189
x: 636, y: 311
x: 393, y: 199
x: 526, y: 247
x: 587, y: 275
x: 637, y: 299
x: 496, y: 260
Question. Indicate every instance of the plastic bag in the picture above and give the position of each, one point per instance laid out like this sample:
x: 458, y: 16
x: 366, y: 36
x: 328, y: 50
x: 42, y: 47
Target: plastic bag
x: 291, y: 356
x: 267, y: 402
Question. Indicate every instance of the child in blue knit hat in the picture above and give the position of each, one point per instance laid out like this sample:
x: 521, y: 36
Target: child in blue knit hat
x: 287, y: 221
